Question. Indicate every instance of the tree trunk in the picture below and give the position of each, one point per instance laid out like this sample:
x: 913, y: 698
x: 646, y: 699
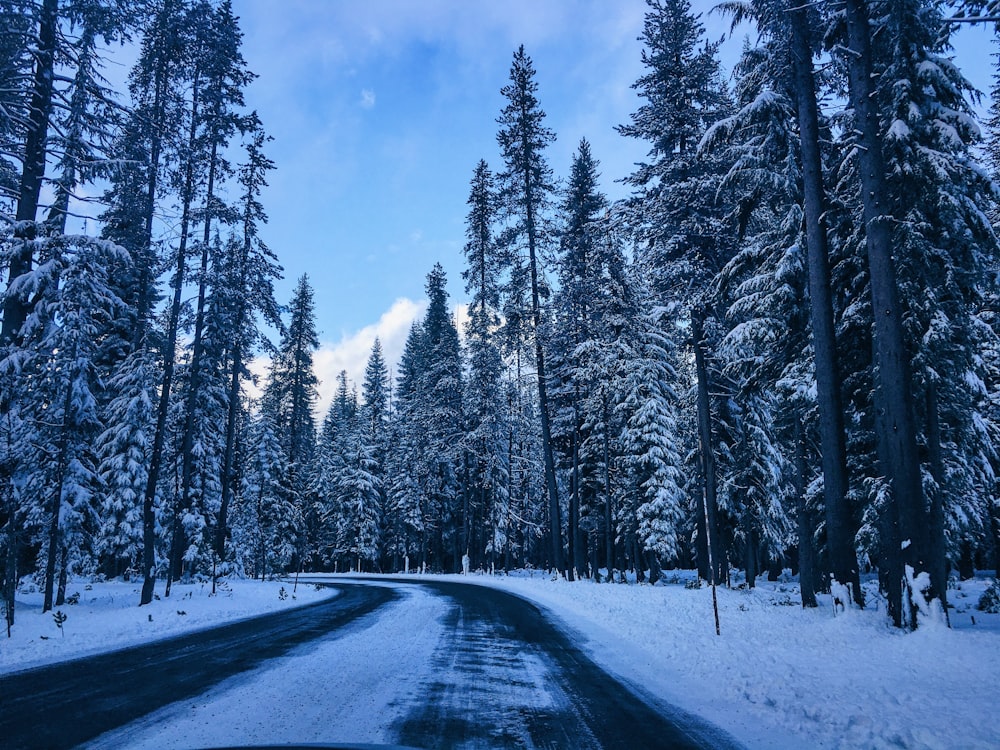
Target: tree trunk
x: 169, y: 357
x: 937, y: 550
x: 807, y: 555
x: 707, y: 450
x: 749, y: 551
x: 840, y: 529
x: 574, y: 507
x: 907, y: 543
x: 555, y: 516
x: 63, y: 575
x: 609, y: 516
x: 15, y: 309
x: 10, y: 565
x: 198, y: 349
x: 995, y: 530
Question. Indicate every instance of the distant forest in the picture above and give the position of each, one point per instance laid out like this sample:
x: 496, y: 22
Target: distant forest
x: 781, y: 350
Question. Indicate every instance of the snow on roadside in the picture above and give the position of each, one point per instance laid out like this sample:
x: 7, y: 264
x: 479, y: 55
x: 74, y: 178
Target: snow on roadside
x: 108, y: 617
x: 780, y: 676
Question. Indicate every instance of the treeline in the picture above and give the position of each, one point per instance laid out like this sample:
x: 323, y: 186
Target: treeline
x: 780, y: 350
x: 124, y: 355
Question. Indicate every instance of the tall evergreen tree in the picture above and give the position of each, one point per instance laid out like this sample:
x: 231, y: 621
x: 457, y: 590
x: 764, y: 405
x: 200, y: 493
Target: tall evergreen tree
x: 484, y: 409
x: 290, y: 396
x: 675, y: 217
x: 526, y: 188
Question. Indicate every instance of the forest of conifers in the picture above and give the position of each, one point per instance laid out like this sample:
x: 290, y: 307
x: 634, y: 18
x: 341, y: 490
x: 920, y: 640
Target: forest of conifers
x: 781, y: 350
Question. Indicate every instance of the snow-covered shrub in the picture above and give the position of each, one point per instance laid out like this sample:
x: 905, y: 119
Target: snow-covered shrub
x: 990, y: 600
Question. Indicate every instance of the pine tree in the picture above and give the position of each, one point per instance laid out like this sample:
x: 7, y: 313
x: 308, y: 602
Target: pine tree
x: 674, y: 215
x: 526, y: 187
x: 251, y: 270
x: 484, y: 409
x: 912, y: 136
x: 289, y: 399
x: 59, y: 383
x: 576, y: 303
x: 375, y: 434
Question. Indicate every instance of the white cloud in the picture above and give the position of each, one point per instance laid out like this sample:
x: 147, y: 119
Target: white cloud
x: 367, y: 98
x: 351, y: 353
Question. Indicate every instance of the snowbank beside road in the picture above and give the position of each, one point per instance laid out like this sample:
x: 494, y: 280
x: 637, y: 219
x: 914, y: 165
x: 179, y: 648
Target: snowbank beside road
x: 107, y: 616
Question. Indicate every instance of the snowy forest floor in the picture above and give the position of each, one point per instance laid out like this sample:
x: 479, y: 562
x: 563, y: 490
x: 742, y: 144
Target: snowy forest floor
x: 779, y: 676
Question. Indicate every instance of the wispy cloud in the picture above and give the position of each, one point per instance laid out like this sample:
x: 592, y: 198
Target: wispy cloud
x: 367, y: 99
x: 351, y: 353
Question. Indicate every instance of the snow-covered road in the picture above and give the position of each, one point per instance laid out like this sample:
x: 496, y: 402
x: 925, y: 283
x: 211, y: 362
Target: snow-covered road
x: 440, y: 665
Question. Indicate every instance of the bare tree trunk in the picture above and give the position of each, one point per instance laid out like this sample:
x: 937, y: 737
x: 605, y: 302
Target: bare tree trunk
x: 840, y: 529
x: 907, y: 543
x: 609, y: 516
x: 555, y: 516
x: 169, y: 357
x: 938, y: 546
x: 807, y: 554
x: 707, y: 450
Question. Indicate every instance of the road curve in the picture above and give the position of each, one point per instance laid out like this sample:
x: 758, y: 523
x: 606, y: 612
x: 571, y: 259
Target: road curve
x: 64, y: 704
x: 503, y: 675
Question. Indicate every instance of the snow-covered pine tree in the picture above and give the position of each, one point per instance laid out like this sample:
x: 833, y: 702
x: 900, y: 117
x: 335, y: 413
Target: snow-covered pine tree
x: 251, y: 270
x: 484, y: 439
x: 912, y: 137
x: 267, y: 523
x: 289, y: 398
x: 525, y: 188
x: 405, y: 467
x: 576, y: 306
x: 685, y: 235
x: 58, y: 382
x: 226, y: 75
x: 439, y: 405
x: 375, y: 415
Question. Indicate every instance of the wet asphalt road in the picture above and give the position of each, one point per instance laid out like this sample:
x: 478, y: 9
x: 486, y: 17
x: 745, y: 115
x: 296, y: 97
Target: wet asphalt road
x: 501, y: 676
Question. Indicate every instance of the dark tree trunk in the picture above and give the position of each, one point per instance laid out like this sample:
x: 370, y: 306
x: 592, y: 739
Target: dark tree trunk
x: 701, y: 540
x: 840, y: 529
x: 707, y: 450
x: 995, y: 529
x: 63, y: 575
x: 229, y: 456
x: 806, y: 552
x: 609, y: 515
x: 750, y: 551
x: 54, y: 540
x: 10, y: 564
x: 907, y: 542
x: 169, y: 357
x: 967, y: 562
x: 197, y: 352
x: 555, y: 518
x: 15, y: 309
x: 938, y: 546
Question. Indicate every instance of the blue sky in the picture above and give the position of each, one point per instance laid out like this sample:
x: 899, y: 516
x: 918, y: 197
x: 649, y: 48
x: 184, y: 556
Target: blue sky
x: 381, y: 109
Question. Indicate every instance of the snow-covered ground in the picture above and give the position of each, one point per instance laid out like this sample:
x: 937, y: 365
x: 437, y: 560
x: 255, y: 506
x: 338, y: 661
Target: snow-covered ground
x: 107, y: 616
x: 779, y: 676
